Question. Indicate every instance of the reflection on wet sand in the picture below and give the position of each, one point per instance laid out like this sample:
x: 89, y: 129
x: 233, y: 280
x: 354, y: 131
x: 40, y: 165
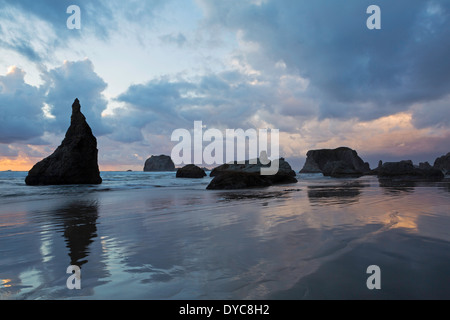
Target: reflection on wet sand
x: 345, y: 193
x: 63, y: 234
x: 311, y: 240
x: 79, y: 223
x: 445, y: 185
x: 77, y: 220
x: 394, y: 186
x: 255, y: 195
x: 393, y: 251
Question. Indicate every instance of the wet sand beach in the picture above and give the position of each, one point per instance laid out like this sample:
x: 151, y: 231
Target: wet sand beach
x: 143, y: 236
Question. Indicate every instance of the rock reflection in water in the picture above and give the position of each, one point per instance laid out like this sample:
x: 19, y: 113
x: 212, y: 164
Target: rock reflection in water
x: 396, y: 186
x: 345, y: 193
x: 254, y: 195
x: 79, y: 226
x: 445, y: 185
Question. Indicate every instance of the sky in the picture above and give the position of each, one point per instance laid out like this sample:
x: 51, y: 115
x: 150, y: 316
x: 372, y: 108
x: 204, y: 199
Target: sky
x: 142, y: 69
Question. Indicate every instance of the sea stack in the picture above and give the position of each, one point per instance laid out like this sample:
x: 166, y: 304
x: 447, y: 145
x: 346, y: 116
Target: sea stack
x: 340, y: 162
x: 443, y: 163
x: 159, y: 163
x: 75, y: 161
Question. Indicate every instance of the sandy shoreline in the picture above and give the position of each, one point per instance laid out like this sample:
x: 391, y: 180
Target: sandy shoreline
x: 295, y: 241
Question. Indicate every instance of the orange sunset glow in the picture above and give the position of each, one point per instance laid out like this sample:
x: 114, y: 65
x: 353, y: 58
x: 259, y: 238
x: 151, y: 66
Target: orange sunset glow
x: 393, y: 135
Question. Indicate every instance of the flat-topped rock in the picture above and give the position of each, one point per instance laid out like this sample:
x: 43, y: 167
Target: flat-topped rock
x: 159, y: 163
x: 284, y: 169
x: 75, y: 161
x: 238, y: 180
x: 340, y: 162
x: 248, y: 175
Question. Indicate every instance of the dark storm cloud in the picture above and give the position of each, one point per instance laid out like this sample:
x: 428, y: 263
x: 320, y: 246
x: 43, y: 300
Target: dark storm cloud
x: 352, y: 72
x: 434, y: 114
x: 347, y: 64
x: 223, y: 99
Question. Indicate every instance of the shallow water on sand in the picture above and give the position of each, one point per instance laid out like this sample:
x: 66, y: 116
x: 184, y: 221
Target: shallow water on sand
x: 151, y: 236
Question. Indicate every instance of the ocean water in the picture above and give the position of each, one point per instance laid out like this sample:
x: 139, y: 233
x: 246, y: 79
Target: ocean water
x: 145, y: 235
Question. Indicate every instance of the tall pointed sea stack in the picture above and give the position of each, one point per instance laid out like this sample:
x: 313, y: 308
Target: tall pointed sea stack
x: 74, y: 161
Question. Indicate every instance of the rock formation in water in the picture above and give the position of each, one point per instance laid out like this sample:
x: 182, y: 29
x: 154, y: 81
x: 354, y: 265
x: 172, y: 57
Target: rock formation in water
x: 238, y: 180
x: 425, y: 165
x: 340, y: 162
x: 159, y: 163
x: 443, y: 163
x: 284, y: 169
x: 374, y: 172
x: 190, y: 171
x: 248, y: 175
x: 406, y: 169
x: 75, y: 161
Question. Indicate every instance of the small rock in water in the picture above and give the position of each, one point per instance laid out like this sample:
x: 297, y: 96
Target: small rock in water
x: 190, y: 171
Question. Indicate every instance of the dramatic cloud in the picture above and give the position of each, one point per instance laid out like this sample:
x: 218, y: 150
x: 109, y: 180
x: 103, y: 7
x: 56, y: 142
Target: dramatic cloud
x: 27, y: 112
x: 8, y: 151
x: 353, y: 71
x: 226, y: 99
x: 75, y: 80
x: 311, y: 69
x: 35, y: 29
x: 433, y: 114
x: 21, y: 116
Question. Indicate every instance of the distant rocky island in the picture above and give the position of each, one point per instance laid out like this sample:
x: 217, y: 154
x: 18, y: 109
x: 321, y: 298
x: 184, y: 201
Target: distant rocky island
x: 345, y: 162
x: 159, y: 163
x: 75, y: 161
x: 342, y: 162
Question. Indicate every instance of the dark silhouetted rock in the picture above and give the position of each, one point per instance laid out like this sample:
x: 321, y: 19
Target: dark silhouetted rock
x: 159, y: 163
x: 284, y: 169
x: 406, y: 169
x: 75, y: 161
x: 248, y: 175
x: 443, y: 163
x: 340, y: 162
x: 425, y: 165
x: 238, y: 180
x: 374, y: 172
x: 190, y: 171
